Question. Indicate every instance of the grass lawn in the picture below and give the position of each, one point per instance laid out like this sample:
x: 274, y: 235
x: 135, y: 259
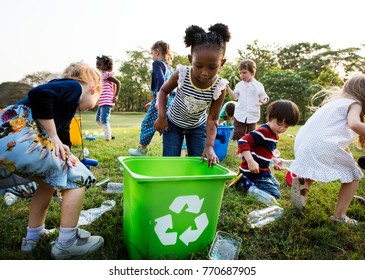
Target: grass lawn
x: 305, y: 235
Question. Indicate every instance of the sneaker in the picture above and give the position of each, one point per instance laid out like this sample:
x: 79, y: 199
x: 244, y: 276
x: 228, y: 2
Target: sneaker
x: 84, y: 243
x: 29, y: 245
x: 345, y: 220
x: 138, y: 152
x: 297, y: 197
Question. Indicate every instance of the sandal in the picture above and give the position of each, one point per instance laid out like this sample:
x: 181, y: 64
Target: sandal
x: 298, y: 199
x: 345, y: 220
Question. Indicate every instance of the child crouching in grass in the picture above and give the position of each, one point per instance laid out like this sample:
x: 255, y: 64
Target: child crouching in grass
x: 257, y: 147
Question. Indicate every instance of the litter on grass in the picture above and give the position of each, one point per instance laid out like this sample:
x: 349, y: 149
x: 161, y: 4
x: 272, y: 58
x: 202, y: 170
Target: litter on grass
x: 90, y: 215
x: 225, y: 246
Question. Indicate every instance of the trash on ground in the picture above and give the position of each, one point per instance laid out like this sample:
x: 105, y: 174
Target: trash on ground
x: 262, y: 196
x: 10, y: 198
x: 113, y: 187
x: 103, y: 182
x: 225, y: 246
x: 262, y: 217
x: 90, y: 215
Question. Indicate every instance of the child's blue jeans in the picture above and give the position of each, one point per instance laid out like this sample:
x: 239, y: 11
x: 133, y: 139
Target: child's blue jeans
x: 174, y: 136
x: 266, y: 184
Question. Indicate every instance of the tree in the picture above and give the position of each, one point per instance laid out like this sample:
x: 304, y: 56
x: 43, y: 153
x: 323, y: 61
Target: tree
x: 135, y: 81
x: 293, y: 57
x: 38, y: 78
x: 12, y: 92
x: 180, y: 59
x: 264, y: 58
x: 286, y: 84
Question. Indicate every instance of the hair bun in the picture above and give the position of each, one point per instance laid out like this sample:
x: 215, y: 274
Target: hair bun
x: 222, y: 30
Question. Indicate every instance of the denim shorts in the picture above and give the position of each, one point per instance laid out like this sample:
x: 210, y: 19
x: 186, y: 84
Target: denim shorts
x: 173, y: 140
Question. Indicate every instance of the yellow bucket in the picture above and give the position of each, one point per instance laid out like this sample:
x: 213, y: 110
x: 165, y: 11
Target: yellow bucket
x: 75, y: 131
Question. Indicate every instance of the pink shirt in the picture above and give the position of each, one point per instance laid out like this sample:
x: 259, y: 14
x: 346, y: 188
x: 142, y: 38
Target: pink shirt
x: 107, y: 94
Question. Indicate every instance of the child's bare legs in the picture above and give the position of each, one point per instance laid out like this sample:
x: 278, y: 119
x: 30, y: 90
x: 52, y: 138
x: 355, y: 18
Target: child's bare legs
x: 345, y: 196
x: 39, y: 205
x: 71, y: 207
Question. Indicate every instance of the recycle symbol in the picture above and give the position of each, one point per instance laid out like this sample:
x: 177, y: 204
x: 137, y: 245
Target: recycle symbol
x: 164, y: 223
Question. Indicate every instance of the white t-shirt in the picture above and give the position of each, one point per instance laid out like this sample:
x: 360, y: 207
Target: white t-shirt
x: 249, y: 96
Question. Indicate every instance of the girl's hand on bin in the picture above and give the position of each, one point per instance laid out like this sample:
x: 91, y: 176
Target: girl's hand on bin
x: 210, y: 155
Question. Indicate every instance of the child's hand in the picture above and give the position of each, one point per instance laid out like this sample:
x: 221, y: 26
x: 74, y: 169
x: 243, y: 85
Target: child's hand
x: 147, y: 106
x: 161, y: 124
x: 278, y: 164
x: 61, y: 150
x: 210, y: 155
x: 253, y: 166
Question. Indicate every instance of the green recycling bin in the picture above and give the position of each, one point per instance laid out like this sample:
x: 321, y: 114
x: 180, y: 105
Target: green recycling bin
x: 171, y: 205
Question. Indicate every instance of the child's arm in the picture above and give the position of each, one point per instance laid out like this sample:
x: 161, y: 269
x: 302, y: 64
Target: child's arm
x: 60, y: 149
x: 211, y: 130
x: 162, y: 96
x: 252, y: 164
x: 117, y: 84
x: 353, y: 119
x: 230, y: 92
x: 263, y: 97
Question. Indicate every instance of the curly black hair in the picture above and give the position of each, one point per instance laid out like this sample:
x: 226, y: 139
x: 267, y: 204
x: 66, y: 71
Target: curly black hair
x: 107, y: 60
x: 217, y: 36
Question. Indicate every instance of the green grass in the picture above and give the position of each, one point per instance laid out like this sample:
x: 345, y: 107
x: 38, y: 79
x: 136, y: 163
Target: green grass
x: 305, y: 235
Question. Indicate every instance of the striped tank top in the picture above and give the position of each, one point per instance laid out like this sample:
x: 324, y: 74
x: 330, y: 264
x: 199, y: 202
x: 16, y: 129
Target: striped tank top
x: 189, y: 108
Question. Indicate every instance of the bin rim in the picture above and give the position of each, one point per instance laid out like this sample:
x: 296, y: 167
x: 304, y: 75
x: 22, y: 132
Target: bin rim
x: 229, y: 174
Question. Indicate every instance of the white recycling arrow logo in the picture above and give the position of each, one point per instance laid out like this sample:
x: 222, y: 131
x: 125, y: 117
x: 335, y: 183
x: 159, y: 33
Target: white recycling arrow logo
x: 165, y: 223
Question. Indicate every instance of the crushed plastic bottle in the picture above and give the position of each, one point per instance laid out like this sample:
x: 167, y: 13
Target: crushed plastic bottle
x: 10, y: 198
x: 262, y: 217
x: 262, y: 196
x: 90, y: 215
x: 113, y: 187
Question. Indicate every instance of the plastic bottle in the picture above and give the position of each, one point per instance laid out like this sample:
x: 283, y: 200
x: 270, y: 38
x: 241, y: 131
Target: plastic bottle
x: 259, y: 218
x: 114, y: 187
x: 85, y: 152
x: 287, y: 162
x: 10, y: 198
x: 262, y: 196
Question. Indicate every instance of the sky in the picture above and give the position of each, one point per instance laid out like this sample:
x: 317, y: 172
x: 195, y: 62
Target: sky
x: 47, y: 35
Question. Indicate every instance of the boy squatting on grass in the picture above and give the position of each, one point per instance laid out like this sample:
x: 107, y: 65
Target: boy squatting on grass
x: 257, y: 148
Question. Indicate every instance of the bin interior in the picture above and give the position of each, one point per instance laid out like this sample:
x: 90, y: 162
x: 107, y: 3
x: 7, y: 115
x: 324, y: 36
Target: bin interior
x: 154, y: 168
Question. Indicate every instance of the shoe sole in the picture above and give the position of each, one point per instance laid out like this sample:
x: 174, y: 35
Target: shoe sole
x: 297, y: 199
x: 92, y: 249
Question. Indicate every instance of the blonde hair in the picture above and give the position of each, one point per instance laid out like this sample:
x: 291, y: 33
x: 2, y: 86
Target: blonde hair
x: 84, y: 74
x: 164, y: 49
x: 354, y: 88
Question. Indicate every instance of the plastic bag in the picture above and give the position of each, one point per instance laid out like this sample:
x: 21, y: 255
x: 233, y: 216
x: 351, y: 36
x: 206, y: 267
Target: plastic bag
x: 90, y: 215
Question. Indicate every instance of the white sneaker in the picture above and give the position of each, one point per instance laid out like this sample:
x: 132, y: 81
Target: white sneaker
x: 29, y: 245
x: 84, y: 243
x: 138, y: 152
x: 297, y: 198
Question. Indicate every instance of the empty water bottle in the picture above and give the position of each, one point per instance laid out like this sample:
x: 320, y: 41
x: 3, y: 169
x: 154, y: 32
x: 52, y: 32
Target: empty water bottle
x: 259, y: 218
x: 85, y: 152
x: 114, y: 187
x: 262, y: 196
x: 10, y: 198
x: 287, y: 162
